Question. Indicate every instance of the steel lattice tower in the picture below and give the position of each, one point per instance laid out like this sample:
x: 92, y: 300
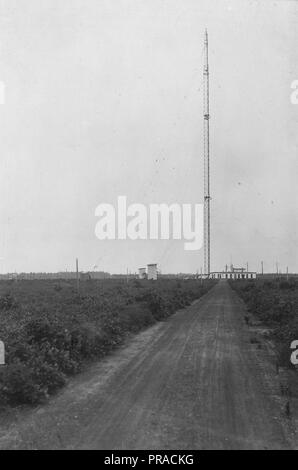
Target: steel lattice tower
x: 206, y: 161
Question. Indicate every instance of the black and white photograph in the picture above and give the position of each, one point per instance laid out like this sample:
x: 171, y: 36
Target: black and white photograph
x: 149, y: 227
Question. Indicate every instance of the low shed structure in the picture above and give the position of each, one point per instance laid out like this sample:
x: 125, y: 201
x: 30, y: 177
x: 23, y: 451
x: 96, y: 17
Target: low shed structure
x: 233, y: 275
x: 142, y: 273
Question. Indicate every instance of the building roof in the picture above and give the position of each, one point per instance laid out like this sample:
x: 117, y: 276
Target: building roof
x: 233, y: 272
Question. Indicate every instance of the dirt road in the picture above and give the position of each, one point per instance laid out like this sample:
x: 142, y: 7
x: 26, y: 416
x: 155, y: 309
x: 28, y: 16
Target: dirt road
x: 192, y: 382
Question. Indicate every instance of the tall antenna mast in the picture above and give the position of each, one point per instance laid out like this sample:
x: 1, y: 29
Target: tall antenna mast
x: 206, y: 162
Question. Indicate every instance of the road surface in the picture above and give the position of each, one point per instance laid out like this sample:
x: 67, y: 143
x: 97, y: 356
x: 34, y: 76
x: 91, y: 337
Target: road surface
x: 192, y: 382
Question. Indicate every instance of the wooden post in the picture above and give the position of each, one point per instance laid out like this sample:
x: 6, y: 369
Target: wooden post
x: 77, y: 275
x: 2, y: 354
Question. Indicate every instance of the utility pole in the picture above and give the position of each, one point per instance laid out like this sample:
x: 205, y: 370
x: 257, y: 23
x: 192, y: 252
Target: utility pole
x: 277, y: 269
x: 201, y: 276
x: 2, y: 354
x: 206, y: 162
x: 247, y: 267
x: 262, y: 263
x: 77, y: 275
x: 287, y: 273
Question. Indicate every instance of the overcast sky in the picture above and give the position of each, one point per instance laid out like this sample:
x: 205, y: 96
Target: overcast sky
x: 104, y: 98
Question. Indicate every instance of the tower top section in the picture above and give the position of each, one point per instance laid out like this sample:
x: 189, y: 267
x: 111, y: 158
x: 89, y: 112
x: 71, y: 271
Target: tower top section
x: 206, y: 58
x: 206, y: 162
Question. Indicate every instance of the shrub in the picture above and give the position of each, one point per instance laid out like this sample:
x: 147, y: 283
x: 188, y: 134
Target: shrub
x: 136, y: 316
x: 50, y: 333
x: 18, y: 386
x: 8, y: 302
x: 275, y: 303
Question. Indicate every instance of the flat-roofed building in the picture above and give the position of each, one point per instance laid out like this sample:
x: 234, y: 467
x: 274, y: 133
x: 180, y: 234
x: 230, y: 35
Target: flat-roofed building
x: 233, y: 275
x: 142, y: 273
x: 152, y: 271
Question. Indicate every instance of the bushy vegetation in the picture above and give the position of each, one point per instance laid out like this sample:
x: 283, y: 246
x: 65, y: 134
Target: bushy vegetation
x: 50, y: 332
x: 274, y: 302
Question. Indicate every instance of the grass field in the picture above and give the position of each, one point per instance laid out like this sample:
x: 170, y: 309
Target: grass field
x: 274, y: 303
x: 51, y: 332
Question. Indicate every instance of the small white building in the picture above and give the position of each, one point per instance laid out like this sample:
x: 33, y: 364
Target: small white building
x: 142, y: 273
x: 152, y: 271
